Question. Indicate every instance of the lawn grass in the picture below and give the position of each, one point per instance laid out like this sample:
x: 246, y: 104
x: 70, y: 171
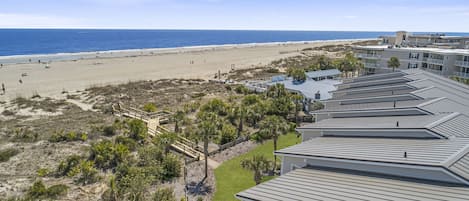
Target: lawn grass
x: 232, y: 179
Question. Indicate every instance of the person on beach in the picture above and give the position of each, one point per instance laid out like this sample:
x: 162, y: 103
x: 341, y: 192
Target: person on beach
x: 21, y: 81
x: 3, y: 88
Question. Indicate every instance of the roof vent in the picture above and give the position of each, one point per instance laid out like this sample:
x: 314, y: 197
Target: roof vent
x: 317, y: 96
x: 397, y: 124
x: 405, y: 154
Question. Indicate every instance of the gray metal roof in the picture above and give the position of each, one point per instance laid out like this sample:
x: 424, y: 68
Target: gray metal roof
x: 419, y: 152
x: 461, y: 167
x: 316, y: 184
x: 323, y: 73
x: 378, y: 105
x: 310, y: 87
x: 444, y: 125
x: 395, y: 80
x: 375, y: 77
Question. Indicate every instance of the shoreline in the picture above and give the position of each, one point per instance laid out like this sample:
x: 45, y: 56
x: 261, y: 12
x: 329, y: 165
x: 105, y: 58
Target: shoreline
x: 117, y: 67
x: 57, y: 57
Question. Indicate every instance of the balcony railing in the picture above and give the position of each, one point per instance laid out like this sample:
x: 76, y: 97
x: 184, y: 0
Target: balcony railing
x: 462, y: 63
x: 435, y: 61
x: 371, y: 65
x: 372, y: 56
x: 461, y: 74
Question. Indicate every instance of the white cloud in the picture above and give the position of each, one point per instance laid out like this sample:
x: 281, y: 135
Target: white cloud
x: 19, y: 20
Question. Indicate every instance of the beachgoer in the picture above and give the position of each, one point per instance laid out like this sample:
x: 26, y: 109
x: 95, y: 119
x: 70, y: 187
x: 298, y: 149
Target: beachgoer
x: 21, y: 81
x: 3, y: 88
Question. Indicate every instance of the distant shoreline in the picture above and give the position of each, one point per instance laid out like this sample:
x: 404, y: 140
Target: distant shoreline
x: 48, y: 58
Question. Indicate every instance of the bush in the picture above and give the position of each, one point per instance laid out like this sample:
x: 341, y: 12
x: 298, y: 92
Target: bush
x: 129, y: 142
x: 164, y: 194
x: 39, y: 191
x: 6, y: 154
x: 71, y: 136
x: 272, y: 70
x: 57, y: 190
x: 107, y: 155
x: 68, y: 167
x: 43, y: 172
x: 109, y: 131
x: 241, y: 89
x: 149, y: 107
x: 171, y: 167
x: 88, y: 172
x: 228, y: 134
x: 137, y: 130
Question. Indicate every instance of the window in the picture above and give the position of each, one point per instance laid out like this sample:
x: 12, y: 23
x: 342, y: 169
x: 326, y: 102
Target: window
x: 410, y: 65
x: 414, y: 55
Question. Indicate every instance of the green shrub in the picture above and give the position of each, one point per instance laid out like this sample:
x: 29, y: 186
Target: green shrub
x: 171, y: 167
x: 71, y: 136
x: 149, y: 107
x: 57, y: 190
x: 68, y: 167
x: 109, y: 131
x: 107, y: 155
x: 241, y: 89
x: 38, y: 191
x: 88, y: 174
x: 43, y: 172
x: 6, y: 154
x: 137, y: 130
x: 228, y: 134
x: 164, y: 194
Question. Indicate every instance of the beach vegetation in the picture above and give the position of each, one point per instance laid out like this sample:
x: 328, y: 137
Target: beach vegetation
x: 150, y: 107
x: 6, y: 154
x: 164, y: 194
x: 137, y: 130
x: 298, y: 75
x: 61, y: 136
x: 241, y: 89
x: 208, y: 128
x: 38, y: 191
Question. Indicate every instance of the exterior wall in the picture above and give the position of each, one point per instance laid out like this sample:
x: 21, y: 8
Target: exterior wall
x: 443, y: 64
x: 290, y: 163
x: 309, y: 134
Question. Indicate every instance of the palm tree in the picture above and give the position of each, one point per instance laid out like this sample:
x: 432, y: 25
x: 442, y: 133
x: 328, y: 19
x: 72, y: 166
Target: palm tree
x: 272, y: 127
x: 256, y: 164
x: 165, y: 140
x: 208, y: 129
x: 179, y: 117
x: 239, y: 113
x: 298, y: 100
x: 280, y: 99
x: 394, y: 63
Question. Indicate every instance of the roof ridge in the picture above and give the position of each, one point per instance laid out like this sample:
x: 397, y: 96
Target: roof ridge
x: 442, y: 120
x: 456, y: 156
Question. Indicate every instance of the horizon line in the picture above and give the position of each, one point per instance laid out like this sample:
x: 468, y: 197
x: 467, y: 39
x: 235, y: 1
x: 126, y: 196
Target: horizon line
x: 209, y: 29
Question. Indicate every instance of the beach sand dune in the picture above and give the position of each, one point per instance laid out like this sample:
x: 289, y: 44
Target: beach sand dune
x: 202, y: 63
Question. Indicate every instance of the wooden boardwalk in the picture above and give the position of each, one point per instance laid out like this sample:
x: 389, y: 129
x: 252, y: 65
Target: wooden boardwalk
x: 153, y: 121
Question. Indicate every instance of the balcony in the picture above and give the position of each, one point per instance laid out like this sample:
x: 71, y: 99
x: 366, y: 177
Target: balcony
x: 462, y: 75
x: 435, y: 61
x: 462, y: 63
x: 371, y: 65
x: 368, y: 56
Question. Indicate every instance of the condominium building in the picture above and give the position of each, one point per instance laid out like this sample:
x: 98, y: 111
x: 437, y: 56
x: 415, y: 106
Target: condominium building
x: 405, y: 137
x: 445, y: 62
x: 406, y: 39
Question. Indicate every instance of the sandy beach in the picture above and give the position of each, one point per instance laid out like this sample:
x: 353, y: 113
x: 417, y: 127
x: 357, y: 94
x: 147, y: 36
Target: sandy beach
x: 80, y: 71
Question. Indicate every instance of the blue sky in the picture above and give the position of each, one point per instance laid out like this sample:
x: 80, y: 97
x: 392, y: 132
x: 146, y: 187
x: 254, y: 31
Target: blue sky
x: 364, y: 15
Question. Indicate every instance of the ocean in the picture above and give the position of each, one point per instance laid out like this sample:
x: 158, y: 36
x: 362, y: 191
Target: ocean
x: 53, y: 41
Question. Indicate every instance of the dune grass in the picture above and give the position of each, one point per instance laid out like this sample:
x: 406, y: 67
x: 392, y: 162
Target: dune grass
x: 231, y: 178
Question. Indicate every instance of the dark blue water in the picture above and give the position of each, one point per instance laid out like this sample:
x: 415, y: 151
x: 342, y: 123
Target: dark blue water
x: 48, y: 41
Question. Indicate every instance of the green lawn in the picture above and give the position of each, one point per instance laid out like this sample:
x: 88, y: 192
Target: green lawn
x: 231, y: 178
